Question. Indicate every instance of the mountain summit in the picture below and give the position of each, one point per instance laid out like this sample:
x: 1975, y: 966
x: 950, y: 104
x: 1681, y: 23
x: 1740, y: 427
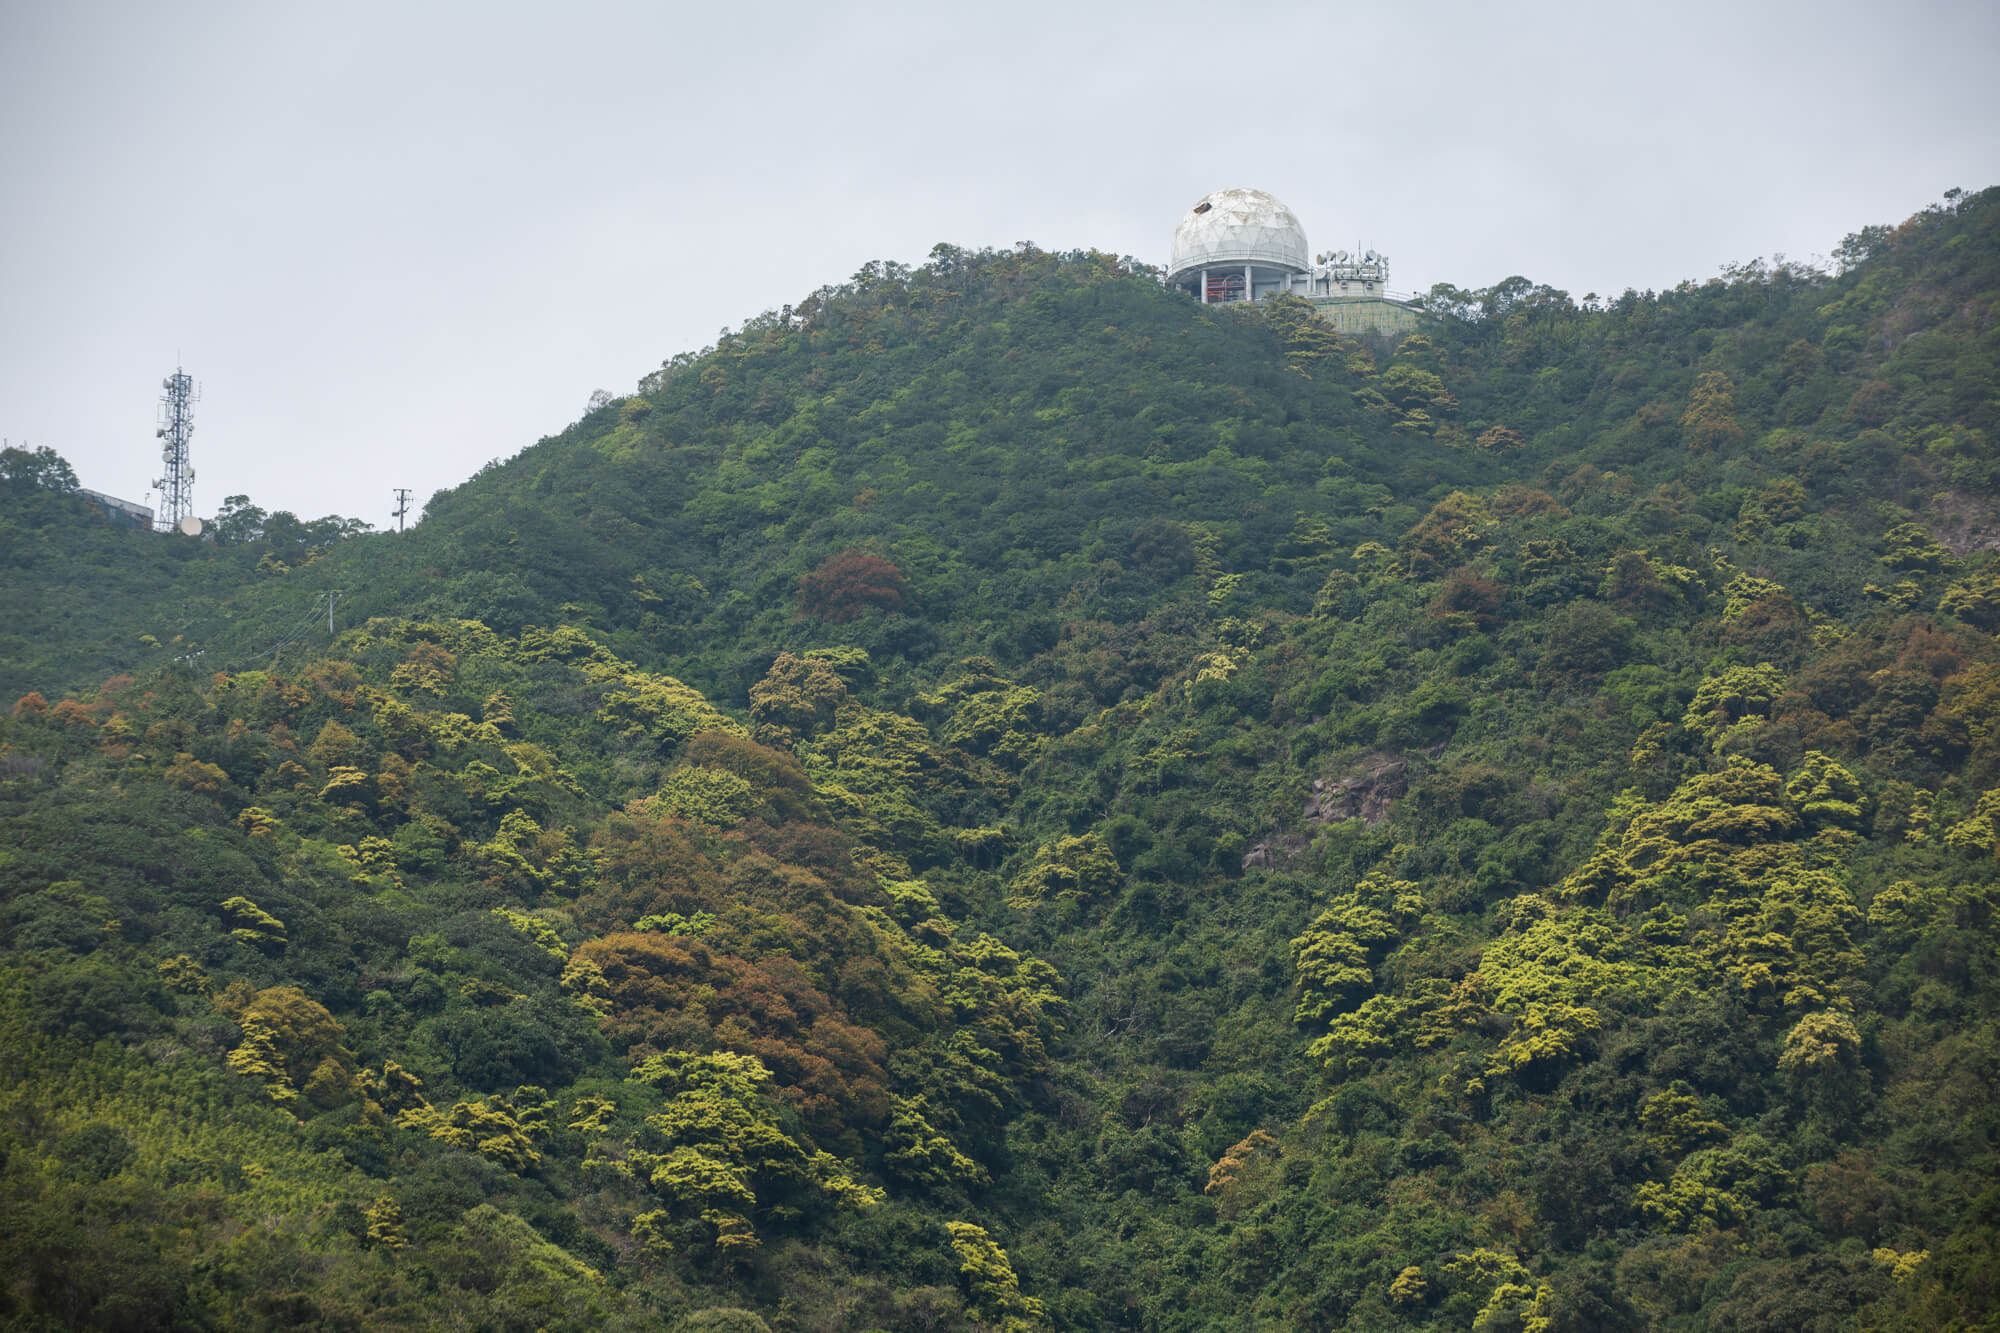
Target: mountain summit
x: 1010, y: 796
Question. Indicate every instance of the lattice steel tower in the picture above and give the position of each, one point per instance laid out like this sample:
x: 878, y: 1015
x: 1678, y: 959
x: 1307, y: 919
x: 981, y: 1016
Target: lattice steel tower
x: 176, y: 425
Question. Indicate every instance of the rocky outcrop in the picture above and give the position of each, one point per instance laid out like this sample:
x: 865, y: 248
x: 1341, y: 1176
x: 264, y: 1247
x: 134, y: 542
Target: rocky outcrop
x: 1367, y: 792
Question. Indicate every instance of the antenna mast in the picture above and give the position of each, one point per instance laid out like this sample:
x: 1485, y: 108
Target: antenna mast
x: 176, y: 424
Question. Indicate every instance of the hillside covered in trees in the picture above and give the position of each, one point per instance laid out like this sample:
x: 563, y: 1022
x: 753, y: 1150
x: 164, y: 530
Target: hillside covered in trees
x: 1002, y: 798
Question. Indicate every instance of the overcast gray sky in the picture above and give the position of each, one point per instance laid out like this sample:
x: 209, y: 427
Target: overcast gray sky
x: 393, y: 241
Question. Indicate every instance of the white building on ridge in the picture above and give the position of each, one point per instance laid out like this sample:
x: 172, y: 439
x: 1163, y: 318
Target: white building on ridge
x: 1244, y: 245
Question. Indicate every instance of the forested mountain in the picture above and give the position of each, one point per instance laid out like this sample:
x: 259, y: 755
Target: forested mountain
x: 1001, y: 797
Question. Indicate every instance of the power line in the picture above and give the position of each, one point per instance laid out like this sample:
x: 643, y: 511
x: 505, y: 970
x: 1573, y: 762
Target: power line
x: 297, y: 634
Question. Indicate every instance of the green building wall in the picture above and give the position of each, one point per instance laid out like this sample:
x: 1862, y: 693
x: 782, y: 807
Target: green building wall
x: 1368, y: 314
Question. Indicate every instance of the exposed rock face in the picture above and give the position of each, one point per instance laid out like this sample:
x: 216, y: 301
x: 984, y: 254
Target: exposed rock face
x: 1366, y: 792
x: 1964, y: 523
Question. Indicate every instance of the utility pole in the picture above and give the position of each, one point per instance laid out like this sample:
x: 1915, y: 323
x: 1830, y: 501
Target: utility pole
x: 331, y: 598
x: 402, y: 505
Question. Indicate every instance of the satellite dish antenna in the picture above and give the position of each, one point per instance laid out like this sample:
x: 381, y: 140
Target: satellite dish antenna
x: 190, y: 525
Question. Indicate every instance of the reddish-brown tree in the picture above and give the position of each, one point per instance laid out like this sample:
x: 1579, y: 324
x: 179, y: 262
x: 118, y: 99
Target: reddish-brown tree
x: 674, y: 993
x: 841, y: 587
x: 647, y: 865
x: 1467, y: 595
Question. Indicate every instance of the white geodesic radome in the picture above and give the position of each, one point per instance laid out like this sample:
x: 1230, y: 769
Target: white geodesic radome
x: 1238, y: 227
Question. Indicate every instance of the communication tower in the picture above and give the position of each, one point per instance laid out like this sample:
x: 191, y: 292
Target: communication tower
x: 176, y: 419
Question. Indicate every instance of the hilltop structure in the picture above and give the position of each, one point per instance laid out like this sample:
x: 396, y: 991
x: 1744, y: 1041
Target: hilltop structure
x: 1244, y: 245
x: 176, y: 425
x: 119, y: 513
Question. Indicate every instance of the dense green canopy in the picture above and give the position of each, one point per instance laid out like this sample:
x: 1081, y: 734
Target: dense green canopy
x: 1000, y: 797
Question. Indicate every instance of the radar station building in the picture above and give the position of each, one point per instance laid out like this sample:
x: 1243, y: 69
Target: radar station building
x: 119, y: 513
x: 1243, y: 245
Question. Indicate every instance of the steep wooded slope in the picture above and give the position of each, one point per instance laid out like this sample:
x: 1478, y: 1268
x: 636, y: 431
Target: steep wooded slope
x: 1001, y: 797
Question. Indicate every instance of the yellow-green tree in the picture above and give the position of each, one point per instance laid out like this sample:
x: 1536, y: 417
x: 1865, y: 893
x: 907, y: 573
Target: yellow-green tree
x: 292, y: 1043
x: 716, y: 1158
x: 1068, y: 869
x: 991, y: 1287
x: 1709, y: 423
